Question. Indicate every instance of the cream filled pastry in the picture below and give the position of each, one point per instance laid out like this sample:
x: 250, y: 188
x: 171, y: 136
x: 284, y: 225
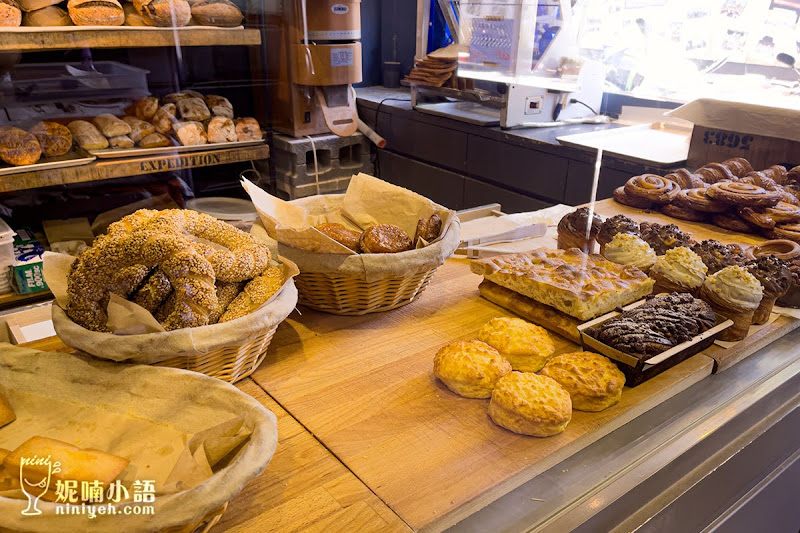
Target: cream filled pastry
x: 628, y: 249
x: 678, y: 270
x: 734, y: 293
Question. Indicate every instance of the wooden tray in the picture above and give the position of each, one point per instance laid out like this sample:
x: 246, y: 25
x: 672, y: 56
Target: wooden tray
x: 364, y: 387
x: 115, y: 153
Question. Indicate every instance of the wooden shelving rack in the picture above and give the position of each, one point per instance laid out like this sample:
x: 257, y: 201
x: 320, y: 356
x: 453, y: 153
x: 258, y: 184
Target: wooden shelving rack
x: 67, y: 38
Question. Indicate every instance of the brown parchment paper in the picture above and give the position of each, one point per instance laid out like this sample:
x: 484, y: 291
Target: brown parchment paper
x: 137, y: 337
x: 199, y: 438
x: 368, y: 201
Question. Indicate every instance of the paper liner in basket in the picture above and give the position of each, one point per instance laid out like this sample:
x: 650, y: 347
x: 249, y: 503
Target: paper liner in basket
x: 165, y: 421
x: 138, y: 337
x: 368, y: 201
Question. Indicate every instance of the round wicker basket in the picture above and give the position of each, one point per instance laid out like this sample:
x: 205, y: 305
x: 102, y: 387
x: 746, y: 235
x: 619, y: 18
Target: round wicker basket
x: 228, y: 351
x: 356, y: 285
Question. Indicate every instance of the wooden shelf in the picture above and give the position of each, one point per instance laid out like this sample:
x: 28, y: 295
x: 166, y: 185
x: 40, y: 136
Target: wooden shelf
x: 12, y: 299
x: 103, y: 169
x: 126, y: 38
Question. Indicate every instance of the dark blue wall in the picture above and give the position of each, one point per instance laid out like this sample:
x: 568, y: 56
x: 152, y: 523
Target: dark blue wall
x: 381, y: 22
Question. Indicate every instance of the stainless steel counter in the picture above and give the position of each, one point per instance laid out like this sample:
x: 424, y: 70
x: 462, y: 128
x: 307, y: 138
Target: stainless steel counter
x: 724, y: 455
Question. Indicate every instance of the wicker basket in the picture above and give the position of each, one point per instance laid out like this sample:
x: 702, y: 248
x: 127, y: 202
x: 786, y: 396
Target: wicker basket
x: 230, y: 351
x: 352, y: 288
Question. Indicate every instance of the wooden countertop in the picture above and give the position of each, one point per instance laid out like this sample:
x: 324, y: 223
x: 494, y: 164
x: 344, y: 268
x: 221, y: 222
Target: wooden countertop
x: 304, y: 488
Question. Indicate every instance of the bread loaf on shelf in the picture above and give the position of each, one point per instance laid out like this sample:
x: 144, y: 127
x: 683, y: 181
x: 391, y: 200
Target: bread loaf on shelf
x: 190, y: 133
x: 54, y: 138
x: 96, y: 12
x: 87, y: 135
x: 133, y: 18
x: 139, y: 128
x: 193, y: 109
x: 154, y: 140
x: 164, y: 118
x: 18, y: 147
x: 35, y: 5
x: 10, y: 13
x: 111, y: 126
x: 248, y: 129
x: 120, y: 141
x: 221, y: 130
x: 164, y: 13
x: 47, y: 16
x: 145, y: 108
x: 219, y: 106
x: 222, y: 13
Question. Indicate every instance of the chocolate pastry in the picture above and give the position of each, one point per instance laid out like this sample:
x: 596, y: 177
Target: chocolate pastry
x: 775, y: 278
x: 614, y: 225
x: 385, y: 239
x: 717, y: 256
x: 792, y: 296
x: 428, y: 229
x: 575, y: 230
x: 662, y: 238
x: 342, y: 235
x: 657, y: 325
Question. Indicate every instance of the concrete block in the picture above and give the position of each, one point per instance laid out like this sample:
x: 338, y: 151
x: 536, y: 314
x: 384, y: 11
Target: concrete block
x: 290, y: 192
x: 328, y: 147
x: 304, y: 174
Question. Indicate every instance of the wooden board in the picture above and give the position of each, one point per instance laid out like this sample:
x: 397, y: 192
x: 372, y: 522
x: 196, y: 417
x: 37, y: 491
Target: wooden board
x: 304, y: 488
x: 133, y: 166
x: 724, y: 358
x: 364, y: 386
x: 59, y: 39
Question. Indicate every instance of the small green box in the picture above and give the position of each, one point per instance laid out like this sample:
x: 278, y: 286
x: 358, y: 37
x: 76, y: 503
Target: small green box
x: 27, y: 272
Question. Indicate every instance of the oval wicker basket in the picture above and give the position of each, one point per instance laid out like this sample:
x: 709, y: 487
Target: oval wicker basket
x: 229, y: 351
x: 349, y: 291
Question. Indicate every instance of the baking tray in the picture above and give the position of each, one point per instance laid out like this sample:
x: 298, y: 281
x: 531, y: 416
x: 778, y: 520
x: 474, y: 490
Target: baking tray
x: 658, y: 143
x: 39, y: 29
x: 636, y: 370
x: 115, y: 153
x: 74, y: 158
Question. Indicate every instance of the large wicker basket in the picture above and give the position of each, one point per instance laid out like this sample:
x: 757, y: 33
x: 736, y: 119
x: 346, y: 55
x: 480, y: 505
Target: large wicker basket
x: 229, y: 351
x: 353, y: 285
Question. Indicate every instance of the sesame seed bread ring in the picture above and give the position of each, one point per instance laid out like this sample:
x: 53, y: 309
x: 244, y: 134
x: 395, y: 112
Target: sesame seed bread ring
x: 254, y: 294
x: 238, y: 257
x: 97, y: 269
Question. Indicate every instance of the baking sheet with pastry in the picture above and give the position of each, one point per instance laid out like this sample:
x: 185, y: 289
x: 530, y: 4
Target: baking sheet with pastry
x: 158, y: 418
x: 38, y: 29
x: 74, y: 158
x: 115, y: 153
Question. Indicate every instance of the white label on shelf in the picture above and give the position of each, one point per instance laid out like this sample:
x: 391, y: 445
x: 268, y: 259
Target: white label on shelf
x: 340, y: 9
x: 341, y: 57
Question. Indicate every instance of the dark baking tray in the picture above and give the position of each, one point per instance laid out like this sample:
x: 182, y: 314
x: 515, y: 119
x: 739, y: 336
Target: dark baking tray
x: 636, y: 370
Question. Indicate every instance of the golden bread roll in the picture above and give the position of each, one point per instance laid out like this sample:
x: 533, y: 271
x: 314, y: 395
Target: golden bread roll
x: 344, y: 236
x: 76, y: 464
x: 164, y: 13
x: 154, y: 140
x: 18, y: 147
x: 530, y: 404
x: 593, y: 382
x: 526, y: 346
x: 47, y: 16
x: 96, y: 12
x: 139, y: 128
x: 190, y: 133
x: 111, y: 126
x: 133, y: 18
x: 36, y: 5
x: 120, y: 141
x: 223, y: 13
x: 164, y: 118
x: 255, y: 294
x: 219, y: 106
x: 10, y: 13
x: 146, y: 107
x: 173, y: 98
x: 226, y: 294
x: 385, y: 239
x: 87, y: 136
x: 470, y: 368
x: 54, y: 138
x: 221, y: 130
x: 248, y: 129
x: 7, y: 481
x: 6, y: 413
x: 193, y: 109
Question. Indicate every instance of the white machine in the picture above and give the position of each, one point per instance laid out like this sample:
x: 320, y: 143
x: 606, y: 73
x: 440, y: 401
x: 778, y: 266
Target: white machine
x: 524, y: 59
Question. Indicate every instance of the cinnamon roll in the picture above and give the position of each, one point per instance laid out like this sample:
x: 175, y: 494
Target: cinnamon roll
x: 621, y: 197
x: 743, y: 194
x: 699, y: 200
x: 653, y: 188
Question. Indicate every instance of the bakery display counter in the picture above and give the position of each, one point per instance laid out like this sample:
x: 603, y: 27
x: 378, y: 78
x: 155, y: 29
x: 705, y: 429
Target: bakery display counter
x: 103, y: 169
x: 37, y: 39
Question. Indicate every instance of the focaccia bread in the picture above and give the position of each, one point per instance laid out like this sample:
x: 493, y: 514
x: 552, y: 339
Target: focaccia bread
x: 6, y: 413
x: 87, y: 136
x: 580, y: 285
x: 111, y: 126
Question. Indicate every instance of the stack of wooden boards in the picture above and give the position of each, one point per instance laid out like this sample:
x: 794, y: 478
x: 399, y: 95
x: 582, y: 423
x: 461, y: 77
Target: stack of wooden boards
x: 438, y: 69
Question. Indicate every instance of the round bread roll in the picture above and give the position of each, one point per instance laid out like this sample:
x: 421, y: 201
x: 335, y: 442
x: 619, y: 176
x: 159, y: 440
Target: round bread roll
x: 594, y: 383
x: 18, y: 147
x: 470, y: 369
x: 164, y: 13
x: 54, y: 138
x: 47, y: 16
x: 526, y: 346
x: 96, y: 12
x: 222, y: 13
x: 530, y: 404
x: 10, y: 13
x: 385, y: 239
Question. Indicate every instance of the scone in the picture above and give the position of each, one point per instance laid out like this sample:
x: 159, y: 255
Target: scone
x: 470, y: 369
x: 6, y: 413
x: 593, y: 382
x: 530, y: 404
x: 526, y: 346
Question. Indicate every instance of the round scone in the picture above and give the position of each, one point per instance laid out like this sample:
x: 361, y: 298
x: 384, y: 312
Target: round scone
x: 530, y: 404
x: 526, y: 346
x: 593, y: 382
x: 470, y: 369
